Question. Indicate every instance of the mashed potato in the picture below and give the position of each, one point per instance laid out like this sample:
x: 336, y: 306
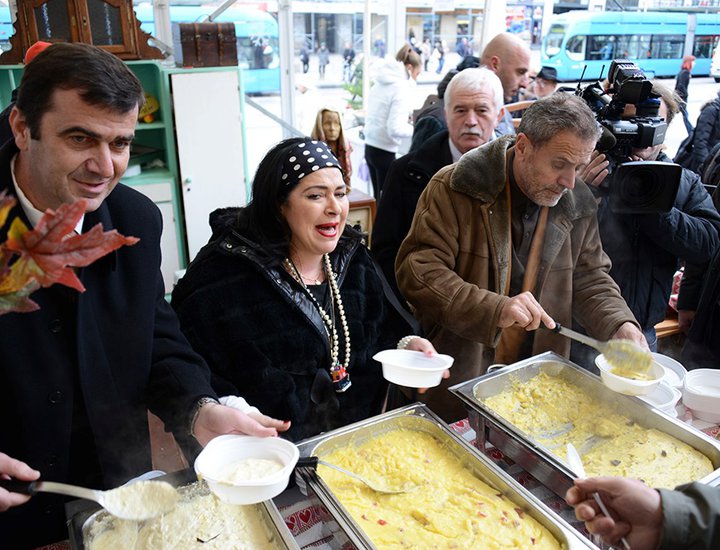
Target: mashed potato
x: 555, y: 412
x: 199, y: 520
x: 445, y: 505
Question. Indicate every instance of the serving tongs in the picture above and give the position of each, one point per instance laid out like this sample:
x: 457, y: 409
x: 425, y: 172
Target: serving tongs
x: 619, y: 353
x: 313, y: 461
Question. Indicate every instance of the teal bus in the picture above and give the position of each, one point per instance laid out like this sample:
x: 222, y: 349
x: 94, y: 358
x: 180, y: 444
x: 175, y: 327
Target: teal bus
x: 655, y: 41
x: 256, y: 32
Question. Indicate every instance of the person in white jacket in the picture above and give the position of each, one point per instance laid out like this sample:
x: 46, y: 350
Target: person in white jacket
x: 389, y: 108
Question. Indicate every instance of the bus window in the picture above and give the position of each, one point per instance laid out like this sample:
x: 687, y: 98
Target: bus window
x: 667, y: 46
x: 554, y: 40
x: 601, y: 46
x: 576, y: 47
x: 635, y: 46
x: 705, y: 45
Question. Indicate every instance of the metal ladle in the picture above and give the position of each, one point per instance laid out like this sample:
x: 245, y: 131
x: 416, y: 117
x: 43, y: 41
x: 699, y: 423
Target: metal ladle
x: 619, y: 353
x: 313, y: 461
x: 137, y: 501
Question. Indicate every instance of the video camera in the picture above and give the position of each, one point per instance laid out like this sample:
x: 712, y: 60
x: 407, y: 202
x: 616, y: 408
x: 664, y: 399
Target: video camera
x: 634, y: 187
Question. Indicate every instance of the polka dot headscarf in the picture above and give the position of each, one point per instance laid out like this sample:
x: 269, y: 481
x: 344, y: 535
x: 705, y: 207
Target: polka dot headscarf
x: 306, y: 157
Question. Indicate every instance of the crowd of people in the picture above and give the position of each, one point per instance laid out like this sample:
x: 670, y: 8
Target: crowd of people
x: 488, y: 233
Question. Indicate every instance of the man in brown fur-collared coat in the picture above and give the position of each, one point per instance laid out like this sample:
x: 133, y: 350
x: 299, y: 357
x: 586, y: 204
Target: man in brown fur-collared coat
x: 506, y: 241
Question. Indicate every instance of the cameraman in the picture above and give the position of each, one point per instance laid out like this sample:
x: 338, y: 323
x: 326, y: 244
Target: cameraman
x: 645, y: 249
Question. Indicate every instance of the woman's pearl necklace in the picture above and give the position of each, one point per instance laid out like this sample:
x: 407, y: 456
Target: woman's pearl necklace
x: 338, y: 371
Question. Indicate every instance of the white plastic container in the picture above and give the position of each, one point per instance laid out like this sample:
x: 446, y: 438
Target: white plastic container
x: 628, y: 386
x: 413, y: 369
x: 674, y: 371
x: 223, y: 451
x: 663, y: 397
x: 701, y: 394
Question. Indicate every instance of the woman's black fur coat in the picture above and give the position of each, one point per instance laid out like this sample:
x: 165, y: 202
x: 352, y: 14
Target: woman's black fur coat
x: 263, y: 337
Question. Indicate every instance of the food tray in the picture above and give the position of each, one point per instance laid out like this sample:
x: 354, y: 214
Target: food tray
x: 548, y: 468
x: 83, y: 514
x: 418, y: 417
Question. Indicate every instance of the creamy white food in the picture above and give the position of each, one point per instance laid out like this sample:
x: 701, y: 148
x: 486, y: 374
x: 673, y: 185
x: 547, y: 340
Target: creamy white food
x: 141, y: 500
x: 249, y: 469
x: 200, y: 520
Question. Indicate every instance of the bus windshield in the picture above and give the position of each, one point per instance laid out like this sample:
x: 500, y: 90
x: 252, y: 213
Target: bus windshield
x: 554, y: 40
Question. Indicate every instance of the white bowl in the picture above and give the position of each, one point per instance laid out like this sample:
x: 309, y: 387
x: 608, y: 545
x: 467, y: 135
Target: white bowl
x: 413, y: 369
x: 222, y: 452
x: 701, y: 394
x: 663, y: 397
x: 674, y: 371
x: 628, y: 386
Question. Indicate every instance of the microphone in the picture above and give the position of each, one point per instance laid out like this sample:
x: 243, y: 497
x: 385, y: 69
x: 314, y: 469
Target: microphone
x: 606, y: 142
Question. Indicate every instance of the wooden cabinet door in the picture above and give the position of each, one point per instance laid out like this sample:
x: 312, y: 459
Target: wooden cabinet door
x: 48, y: 20
x: 107, y: 24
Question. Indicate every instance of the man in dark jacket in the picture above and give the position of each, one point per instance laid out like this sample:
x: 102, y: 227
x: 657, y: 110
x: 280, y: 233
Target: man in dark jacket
x: 473, y: 107
x: 645, y: 249
x: 706, y: 134
x: 79, y: 374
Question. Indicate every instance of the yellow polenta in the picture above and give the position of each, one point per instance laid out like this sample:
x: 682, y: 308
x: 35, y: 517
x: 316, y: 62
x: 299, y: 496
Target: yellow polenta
x: 445, y: 506
x: 554, y: 412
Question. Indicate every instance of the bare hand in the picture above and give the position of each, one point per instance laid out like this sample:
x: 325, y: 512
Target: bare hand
x: 628, y: 331
x: 596, y: 171
x: 685, y: 319
x: 10, y: 467
x: 525, y: 311
x: 635, y: 507
x: 214, y: 420
x: 421, y: 344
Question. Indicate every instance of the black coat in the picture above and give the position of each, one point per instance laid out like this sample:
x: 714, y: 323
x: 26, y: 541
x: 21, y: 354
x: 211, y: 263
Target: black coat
x: 681, y: 84
x: 700, y: 292
x: 706, y: 133
x: 79, y: 374
x: 645, y: 248
x: 405, y: 182
x: 264, y: 339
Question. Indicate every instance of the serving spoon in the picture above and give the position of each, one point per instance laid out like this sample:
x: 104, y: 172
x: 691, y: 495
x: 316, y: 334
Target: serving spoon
x: 623, y: 354
x: 578, y: 469
x: 137, y: 501
x: 313, y: 461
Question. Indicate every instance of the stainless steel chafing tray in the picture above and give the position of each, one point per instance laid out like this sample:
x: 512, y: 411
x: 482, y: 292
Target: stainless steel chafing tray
x: 82, y: 515
x: 543, y: 464
x: 418, y: 417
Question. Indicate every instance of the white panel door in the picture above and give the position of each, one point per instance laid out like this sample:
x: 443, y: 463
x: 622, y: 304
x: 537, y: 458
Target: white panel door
x: 209, y: 139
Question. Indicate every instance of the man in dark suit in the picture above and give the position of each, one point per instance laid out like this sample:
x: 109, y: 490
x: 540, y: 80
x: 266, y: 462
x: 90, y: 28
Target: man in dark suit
x: 79, y: 374
x: 473, y: 107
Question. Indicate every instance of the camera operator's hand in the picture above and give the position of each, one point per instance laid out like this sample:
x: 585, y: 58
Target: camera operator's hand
x: 596, y: 170
x: 628, y: 331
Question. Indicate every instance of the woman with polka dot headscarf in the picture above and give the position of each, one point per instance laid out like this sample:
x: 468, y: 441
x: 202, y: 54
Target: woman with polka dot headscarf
x: 284, y: 302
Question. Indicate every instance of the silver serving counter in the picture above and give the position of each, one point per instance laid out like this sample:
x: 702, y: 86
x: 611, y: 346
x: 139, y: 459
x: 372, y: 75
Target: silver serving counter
x: 346, y: 531
x: 546, y: 466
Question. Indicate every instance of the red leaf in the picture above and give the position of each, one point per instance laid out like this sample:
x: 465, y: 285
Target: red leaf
x: 50, y: 251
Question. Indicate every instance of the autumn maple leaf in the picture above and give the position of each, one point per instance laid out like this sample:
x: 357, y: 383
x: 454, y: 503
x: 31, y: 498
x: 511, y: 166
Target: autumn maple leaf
x: 48, y: 253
